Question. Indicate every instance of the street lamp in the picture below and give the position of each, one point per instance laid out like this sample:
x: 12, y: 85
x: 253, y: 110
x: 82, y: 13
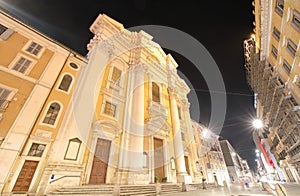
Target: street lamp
x: 205, y: 132
x: 257, y: 123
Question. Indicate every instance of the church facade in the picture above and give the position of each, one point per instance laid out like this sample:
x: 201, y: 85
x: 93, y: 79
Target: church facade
x: 118, y: 116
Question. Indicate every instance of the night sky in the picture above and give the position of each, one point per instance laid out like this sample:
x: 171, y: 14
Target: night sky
x: 220, y: 25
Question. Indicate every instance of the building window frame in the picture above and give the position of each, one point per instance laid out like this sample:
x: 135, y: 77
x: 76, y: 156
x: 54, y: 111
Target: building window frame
x: 279, y: 7
x: 116, y: 75
x: 110, y: 109
x: 47, y: 112
x: 274, y: 51
x: 112, y: 83
x: 286, y: 67
x: 113, y: 103
x: 17, y: 60
x: 36, y: 149
x: 155, y: 92
x: 276, y: 33
x: 5, y: 32
x: 2, y: 29
x: 34, y: 48
x: 291, y: 47
x: 6, y: 99
x: 296, y: 20
x: 74, y: 66
x: 63, y: 81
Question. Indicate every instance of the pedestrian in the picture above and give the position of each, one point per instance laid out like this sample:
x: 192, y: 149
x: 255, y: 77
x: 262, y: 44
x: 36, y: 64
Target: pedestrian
x: 203, y: 183
x: 246, y: 181
x: 242, y: 182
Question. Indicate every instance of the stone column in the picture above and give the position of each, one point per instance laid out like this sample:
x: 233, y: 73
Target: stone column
x: 136, y: 144
x: 192, y: 143
x: 178, y: 146
x: 132, y: 147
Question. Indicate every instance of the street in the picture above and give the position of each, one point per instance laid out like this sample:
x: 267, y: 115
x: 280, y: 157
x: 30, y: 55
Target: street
x: 233, y: 190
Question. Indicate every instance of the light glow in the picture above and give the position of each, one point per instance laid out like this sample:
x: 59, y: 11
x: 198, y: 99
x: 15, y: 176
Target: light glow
x: 205, y: 133
x: 257, y: 123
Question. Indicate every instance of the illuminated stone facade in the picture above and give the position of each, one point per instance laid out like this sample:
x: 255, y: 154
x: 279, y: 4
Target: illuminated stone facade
x: 209, y: 156
x: 272, y: 65
x: 118, y: 116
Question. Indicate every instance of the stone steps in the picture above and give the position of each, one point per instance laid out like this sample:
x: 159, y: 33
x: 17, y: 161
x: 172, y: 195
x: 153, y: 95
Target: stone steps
x: 170, y: 188
x: 124, y: 190
x: 137, y: 190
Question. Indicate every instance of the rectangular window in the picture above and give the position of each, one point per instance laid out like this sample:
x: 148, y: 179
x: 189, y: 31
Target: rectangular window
x: 274, y: 51
x: 36, y: 150
x: 286, y: 66
x: 34, y: 48
x: 208, y: 165
x: 22, y: 65
x: 109, y: 109
x: 5, y: 32
x: 291, y: 47
x: 296, y: 20
x: 116, y: 75
x: 276, y: 33
x: 4, y: 93
x: 279, y: 7
x: 2, y: 29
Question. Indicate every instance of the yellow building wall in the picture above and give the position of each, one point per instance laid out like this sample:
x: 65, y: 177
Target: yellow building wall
x: 41, y: 64
x: 12, y: 111
x: 10, y: 48
x: 60, y: 96
x: 14, y: 45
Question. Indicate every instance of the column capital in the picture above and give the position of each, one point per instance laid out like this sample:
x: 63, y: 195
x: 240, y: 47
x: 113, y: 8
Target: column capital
x: 172, y: 91
x: 185, y: 105
x: 139, y: 68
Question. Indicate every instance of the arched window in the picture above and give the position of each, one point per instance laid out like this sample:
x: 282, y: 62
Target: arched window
x: 52, y: 114
x: 65, y: 83
x: 155, y: 93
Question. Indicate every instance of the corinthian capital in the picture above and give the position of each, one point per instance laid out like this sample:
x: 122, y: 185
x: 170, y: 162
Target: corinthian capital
x: 172, y: 91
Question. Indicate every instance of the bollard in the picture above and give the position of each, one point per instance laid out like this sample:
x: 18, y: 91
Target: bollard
x: 116, y: 191
x: 183, y: 187
x: 157, y: 189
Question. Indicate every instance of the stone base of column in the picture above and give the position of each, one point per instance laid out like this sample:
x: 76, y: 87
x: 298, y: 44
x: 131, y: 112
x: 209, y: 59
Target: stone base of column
x: 120, y: 177
x: 132, y: 177
x: 184, y: 178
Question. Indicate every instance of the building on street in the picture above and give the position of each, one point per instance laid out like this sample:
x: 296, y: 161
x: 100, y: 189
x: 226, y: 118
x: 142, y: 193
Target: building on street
x: 120, y: 115
x: 210, y: 160
x: 272, y: 67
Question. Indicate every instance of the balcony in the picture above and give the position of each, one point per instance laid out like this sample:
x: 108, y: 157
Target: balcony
x: 157, y: 121
x: 281, y: 110
x: 277, y: 99
x: 270, y: 94
x: 264, y: 84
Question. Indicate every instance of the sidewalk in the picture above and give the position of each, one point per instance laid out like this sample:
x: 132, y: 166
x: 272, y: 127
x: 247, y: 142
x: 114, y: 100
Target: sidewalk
x: 233, y: 190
